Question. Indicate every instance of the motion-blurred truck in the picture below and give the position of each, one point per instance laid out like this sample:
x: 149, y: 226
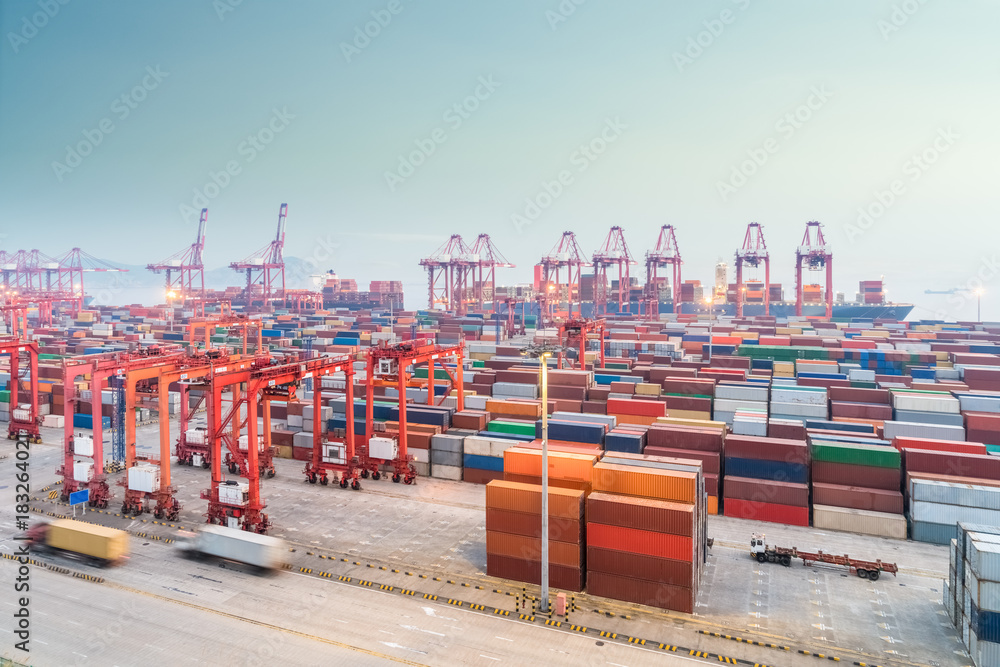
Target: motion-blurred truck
x: 99, y: 545
x: 261, y: 551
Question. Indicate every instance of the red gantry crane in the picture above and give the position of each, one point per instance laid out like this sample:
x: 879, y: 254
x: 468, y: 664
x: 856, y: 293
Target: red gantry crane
x: 265, y: 269
x: 447, y: 275
x: 816, y: 255
x: 575, y: 334
x: 565, y: 254
x: 24, y: 419
x: 74, y: 264
x: 185, y: 270
x: 665, y: 254
x: 387, y: 367
x: 753, y: 253
x: 486, y: 259
x: 614, y: 252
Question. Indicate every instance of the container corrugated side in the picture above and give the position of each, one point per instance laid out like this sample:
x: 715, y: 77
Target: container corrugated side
x: 952, y: 514
x: 932, y: 533
x: 627, y: 589
x: 984, y: 559
x: 562, y: 465
x: 857, y: 497
x: 949, y: 493
x: 767, y: 491
x: 640, y: 566
x: 530, y: 525
x: 675, y: 547
x: 530, y: 548
x: 653, y: 483
x: 864, y: 522
x: 528, y: 571
x: 770, y: 512
x: 855, y: 454
x: 516, y: 497
x: 869, y: 477
x: 641, y: 513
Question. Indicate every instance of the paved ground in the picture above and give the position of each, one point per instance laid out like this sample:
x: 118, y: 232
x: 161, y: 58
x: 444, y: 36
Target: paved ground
x: 432, y: 533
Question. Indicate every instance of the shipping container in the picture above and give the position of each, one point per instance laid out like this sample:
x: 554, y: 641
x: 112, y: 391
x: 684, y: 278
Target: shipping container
x: 646, y: 542
x: 639, y: 566
x: 638, y: 591
x: 770, y: 512
x: 645, y: 482
x: 641, y: 513
x: 527, y: 498
x: 865, y: 522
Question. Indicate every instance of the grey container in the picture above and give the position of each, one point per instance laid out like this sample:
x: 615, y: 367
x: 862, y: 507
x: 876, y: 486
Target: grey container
x: 448, y: 443
x: 445, y: 458
x: 973, y: 403
x: 984, y: 560
x: 453, y: 473
x: 951, y: 514
x: 896, y: 429
x: 945, y: 418
x: 423, y: 469
x: 967, y: 495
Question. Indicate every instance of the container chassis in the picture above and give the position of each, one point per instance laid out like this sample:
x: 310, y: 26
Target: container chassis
x: 865, y: 569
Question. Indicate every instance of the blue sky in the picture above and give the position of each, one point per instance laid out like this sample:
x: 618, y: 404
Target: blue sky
x: 690, y: 92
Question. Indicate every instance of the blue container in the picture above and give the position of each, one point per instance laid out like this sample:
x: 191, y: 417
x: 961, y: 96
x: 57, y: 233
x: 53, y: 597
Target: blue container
x: 494, y: 463
x: 986, y: 624
x: 932, y: 533
x: 340, y: 422
x: 592, y: 434
x: 849, y: 427
x: 623, y: 442
x: 81, y: 420
x: 602, y: 379
x: 506, y: 436
x: 778, y: 471
x: 271, y: 333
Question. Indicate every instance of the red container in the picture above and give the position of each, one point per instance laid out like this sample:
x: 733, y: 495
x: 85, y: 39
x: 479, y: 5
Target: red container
x: 939, y: 445
x: 766, y: 491
x: 855, y: 395
x: 530, y: 548
x: 768, y: 449
x: 620, y: 406
x: 639, y: 566
x: 856, y: 497
x: 675, y: 547
x: 685, y: 437
x: 860, y: 410
x: 957, y: 465
x: 790, y: 431
x: 846, y: 474
x: 530, y: 525
x: 530, y: 572
x: 658, y: 516
x: 771, y: 512
x: 639, y: 591
x: 710, y: 461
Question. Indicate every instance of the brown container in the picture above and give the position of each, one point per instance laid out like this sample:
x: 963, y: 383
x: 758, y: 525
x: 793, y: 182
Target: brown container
x: 854, y: 395
x: 530, y: 572
x: 855, y: 497
x: 789, y: 431
x: 474, y: 420
x: 530, y: 548
x: 845, y: 474
x: 641, y: 513
x: 768, y: 449
x: 476, y: 476
x: 517, y: 497
x: 685, y: 437
x: 569, y: 531
x: 711, y: 484
x: 767, y: 491
x: 639, y: 566
x: 710, y: 461
x: 640, y: 591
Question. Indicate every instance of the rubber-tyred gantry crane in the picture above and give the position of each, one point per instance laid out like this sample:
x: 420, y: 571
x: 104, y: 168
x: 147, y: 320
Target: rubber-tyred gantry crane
x: 566, y: 254
x: 447, y: 274
x: 485, y: 260
x: 239, y: 321
x: 665, y: 254
x: 815, y: 255
x: 614, y: 252
x: 333, y: 460
x: 265, y: 269
x: 387, y: 367
x: 753, y: 253
x: 24, y: 421
x: 185, y: 270
x: 575, y: 333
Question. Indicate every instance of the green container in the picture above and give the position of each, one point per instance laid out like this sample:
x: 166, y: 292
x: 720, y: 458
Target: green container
x: 514, y: 428
x: 878, y: 456
x: 993, y: 449
x: 4, y: 397
x: 439, y: 373
x: 49, y: 356
x: 622, y: 367
x: 478, y: 363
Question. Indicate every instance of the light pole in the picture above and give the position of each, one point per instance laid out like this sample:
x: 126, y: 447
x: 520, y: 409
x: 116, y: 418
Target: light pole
x: 710, y: 302
x: 979, y: 304
x: 170, y: 308
x: 545, y: 479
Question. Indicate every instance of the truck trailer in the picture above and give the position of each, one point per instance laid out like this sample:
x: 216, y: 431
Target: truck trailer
x: 261, y: 551
x: 98, y: 544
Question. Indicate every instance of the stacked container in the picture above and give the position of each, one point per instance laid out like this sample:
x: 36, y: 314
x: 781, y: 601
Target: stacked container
x: 767, y: 479
x: 797, y: 403
x: 514, y: 531
x: 447, y: 456
x: 972, y: 592
x: 856, y: 488
x: 483, y: 458
x: 703, y: 442
x: 936, y: 506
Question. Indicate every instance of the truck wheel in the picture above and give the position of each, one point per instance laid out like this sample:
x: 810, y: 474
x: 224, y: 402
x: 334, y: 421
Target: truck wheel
x: 312, y: 478
x: 873, y: 575
x: 376, y: 475
x: 356, y: 485
x: 364, y: 474
x: 761, y: 557
x: 396, y: 478
x: 862, y: 573
x: 270, y: 473
x: 786, y: 560
x: 232, y: 468
x: 343, y: 482
x: 324, y: 480
x: 204, y: 464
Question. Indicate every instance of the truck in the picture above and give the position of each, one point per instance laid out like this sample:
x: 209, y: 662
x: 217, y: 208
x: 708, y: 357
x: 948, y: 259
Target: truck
x: 99, y: 545
x: 865, y: 569
x: 260, y: 551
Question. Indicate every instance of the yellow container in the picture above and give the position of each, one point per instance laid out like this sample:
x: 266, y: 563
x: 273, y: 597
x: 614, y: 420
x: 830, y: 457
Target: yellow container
x: 107, y: 544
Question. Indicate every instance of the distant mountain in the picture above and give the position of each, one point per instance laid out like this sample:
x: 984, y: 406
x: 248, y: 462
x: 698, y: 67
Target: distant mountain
x: 298, y: 274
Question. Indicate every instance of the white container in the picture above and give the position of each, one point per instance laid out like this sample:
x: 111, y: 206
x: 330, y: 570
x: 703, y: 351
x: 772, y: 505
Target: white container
x: 420, y: 455
x: 83, y: 445
x: 234, y: 494
x: 196, y: 459
x: 896, y: 429
x: 383, y: 448
x: 952, y: 514
x: 83, y: 471
x: 739, y: 392
x: 242, y: 546
x: 20, y: 414
x: 53, y: 421
x: 798, y: 395
x: 195, y: 436
x: 244, y: 441
x: 984, y: 560
x: 925, y: 403
x: 477, y: 445
x: 144, y: 477
x: 799, y: 409
x: 334, y: 452
x: 294, y: 421
x: 453, y: 473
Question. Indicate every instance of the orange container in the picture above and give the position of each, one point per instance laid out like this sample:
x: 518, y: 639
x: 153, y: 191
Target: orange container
x: 527, y: 498
x: 514, y: 408
x: 562, y: 465
x: 654, y: 483
x: 713, y: 504
x: 530, y: 548
x: 641, y: 420
x: 535, y: 480
x: 632, y: 540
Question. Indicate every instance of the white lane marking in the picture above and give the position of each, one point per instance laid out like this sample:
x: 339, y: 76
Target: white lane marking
x: 616, y: 664
x: 488, y: 657
x: 430, y: 632
x: 503, y: 638
x: 386, y: 632
x: 431, y: 612
x: 41, y: 642
x: 76, y: 623
x: 80, y: 654
x: 405, y: 648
